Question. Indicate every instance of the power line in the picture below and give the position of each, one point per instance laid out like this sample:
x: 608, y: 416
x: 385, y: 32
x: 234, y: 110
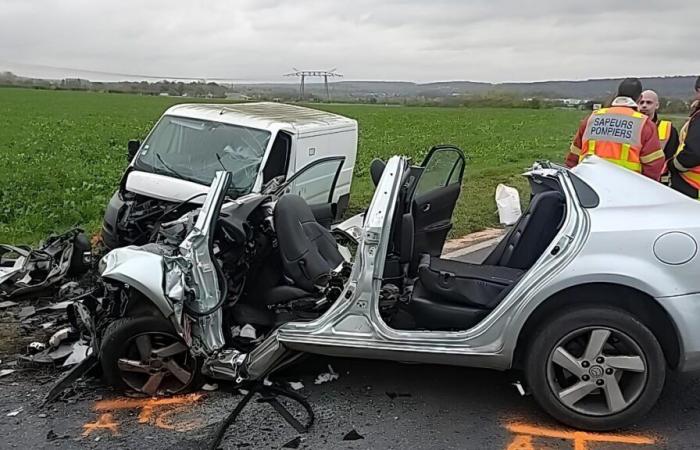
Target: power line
x: 302, y: 74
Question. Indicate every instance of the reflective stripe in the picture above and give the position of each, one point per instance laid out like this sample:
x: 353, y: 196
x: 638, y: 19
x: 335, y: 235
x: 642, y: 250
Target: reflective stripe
x: 575, y: 150
x: 637, y: 114
x: 653, y: 156
x: 625, y: 152
x: 679, y: 166
x: 664, y: 132
x: 691, y: 178
x: 637, y: 167
x: 591, y: 147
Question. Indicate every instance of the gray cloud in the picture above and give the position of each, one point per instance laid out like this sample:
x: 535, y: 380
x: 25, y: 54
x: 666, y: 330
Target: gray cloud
x: 495, y: 40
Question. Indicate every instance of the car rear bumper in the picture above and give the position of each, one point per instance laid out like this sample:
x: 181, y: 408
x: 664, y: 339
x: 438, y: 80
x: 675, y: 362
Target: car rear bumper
x: 685, y: 313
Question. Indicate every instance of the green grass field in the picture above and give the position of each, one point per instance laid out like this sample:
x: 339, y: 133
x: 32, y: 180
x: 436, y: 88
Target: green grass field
x: 62, y: 153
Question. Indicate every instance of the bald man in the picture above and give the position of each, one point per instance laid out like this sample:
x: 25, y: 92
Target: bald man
x: 668, y: 135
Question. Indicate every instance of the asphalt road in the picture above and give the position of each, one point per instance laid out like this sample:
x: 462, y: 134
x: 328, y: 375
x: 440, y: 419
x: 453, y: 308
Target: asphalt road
x: 390, y: 405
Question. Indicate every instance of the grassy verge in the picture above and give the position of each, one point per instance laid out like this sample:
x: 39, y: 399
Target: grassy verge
x: 62, y: 153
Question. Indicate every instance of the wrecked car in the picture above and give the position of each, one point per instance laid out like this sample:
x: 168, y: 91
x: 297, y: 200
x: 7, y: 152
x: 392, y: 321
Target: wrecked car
x: 259, y: 143
x: 592, y: 294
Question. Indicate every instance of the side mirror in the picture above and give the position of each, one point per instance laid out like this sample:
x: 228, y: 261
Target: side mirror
x: 133, y: 147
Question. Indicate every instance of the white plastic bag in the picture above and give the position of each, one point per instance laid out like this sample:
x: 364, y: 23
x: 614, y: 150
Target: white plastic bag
x: 508, y: 202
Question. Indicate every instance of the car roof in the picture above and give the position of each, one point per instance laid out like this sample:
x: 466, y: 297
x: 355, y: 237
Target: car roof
x: 264, y: 115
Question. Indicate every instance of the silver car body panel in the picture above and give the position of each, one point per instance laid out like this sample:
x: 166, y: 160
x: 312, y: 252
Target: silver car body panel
x: 641, y: 235
x: 140, y: 270
x: 624, y: 240
x: 354, y: 327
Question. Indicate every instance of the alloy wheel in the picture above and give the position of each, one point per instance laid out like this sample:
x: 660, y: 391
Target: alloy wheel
x: 597, y: 371
x: 156, y: 362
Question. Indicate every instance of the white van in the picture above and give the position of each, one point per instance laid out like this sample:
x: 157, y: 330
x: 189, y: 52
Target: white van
x: 257, y: 142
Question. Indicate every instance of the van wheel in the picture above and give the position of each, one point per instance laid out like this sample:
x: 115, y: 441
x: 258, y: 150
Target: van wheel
x: 595, y: 368
x: 146, y: 355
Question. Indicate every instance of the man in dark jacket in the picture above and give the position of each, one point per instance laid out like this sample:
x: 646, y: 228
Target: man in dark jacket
x: 685, y: 170
x: 668, y: 135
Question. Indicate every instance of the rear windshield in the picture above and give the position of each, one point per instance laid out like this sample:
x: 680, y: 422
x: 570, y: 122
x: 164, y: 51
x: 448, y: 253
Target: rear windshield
x: 195, y: 150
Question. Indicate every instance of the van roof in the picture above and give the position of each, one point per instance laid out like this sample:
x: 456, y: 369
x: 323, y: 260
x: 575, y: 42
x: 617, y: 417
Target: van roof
x: 264, y: 115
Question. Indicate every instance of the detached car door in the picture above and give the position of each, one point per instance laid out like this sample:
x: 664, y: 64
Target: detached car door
x: 316, y: 183
x: 434, y: 198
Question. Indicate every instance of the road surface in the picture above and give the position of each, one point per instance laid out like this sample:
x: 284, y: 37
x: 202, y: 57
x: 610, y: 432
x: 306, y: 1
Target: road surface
x: 389, y: 405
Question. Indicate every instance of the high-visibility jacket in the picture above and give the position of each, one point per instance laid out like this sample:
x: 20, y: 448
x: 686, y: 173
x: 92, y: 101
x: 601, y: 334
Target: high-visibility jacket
x: 615, y: 134
x: 692, y: 174
x: 664, y: 127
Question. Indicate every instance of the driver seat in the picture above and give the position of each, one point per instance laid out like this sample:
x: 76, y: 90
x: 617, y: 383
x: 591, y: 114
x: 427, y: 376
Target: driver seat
x: 308, y: 251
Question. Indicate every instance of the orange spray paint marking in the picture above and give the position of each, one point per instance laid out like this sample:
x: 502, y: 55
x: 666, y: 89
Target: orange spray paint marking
x: 106, y: 422
x: 165, y: 422
x: 521, y: 442
x: 147, y: 405
x: 579, y: 438
x: 148, y: 412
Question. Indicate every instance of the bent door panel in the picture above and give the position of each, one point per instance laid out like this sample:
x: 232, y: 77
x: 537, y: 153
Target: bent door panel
x: 435, y: 197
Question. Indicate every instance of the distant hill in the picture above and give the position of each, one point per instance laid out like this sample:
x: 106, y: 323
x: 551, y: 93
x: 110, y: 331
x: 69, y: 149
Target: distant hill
x: 678, y: 87
x: 675, y: 87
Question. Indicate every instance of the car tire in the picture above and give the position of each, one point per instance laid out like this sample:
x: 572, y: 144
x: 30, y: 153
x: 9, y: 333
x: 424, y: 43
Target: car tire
x: 600, y: 413
x: 118, y: 343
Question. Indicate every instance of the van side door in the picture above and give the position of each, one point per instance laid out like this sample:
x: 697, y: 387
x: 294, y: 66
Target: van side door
x: 315, y: 183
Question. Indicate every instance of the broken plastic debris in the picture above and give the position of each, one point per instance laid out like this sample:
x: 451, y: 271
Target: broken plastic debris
x: 326, y: 376
x: 7, y: 304
x: 6, y: 372
x: 296, y: 385
x: 80, y: 352
x: 59, y: 336
x: 210, y: 387
x: 35, y: 347
x: 248, y: 331
x: 393, y: 395
x: 61, y: 352
x: 15, y: 412
x: 294, y: 443
x: 353, y: 436
x: 267, y: 382
x: 520, y: 388
x: 26, y: 312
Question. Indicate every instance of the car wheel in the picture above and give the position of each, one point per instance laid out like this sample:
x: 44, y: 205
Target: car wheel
x: 595, y: 368
x: 146, y: 355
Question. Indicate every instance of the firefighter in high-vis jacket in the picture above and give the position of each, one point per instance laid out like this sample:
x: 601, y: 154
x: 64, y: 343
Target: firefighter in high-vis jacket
x: 668, y: 135
x: 621, y: 135
x: 685, y: 170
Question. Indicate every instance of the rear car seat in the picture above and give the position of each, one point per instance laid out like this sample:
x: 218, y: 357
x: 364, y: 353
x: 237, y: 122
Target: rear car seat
x: 451, y: 294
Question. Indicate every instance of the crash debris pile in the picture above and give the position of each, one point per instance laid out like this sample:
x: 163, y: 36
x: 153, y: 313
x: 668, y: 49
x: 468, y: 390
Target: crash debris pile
x: 37, y: 288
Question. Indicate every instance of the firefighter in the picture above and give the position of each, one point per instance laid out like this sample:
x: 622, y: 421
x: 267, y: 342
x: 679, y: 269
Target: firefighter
x: 668, y: 135
x: 685, y: 169
x: 620, y: 134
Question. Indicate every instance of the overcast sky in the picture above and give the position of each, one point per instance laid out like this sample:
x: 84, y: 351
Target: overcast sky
x: 412, y: 40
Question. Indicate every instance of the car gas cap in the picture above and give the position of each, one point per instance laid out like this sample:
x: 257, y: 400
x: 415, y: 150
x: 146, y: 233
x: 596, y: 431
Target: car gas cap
x: 675, y: 248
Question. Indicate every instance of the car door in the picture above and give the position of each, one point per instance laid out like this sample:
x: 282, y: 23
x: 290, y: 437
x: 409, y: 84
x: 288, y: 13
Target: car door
x: 434, y: 198
x: 316, y: 183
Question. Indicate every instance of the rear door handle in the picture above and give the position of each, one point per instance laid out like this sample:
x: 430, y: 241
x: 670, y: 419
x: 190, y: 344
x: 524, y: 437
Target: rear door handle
x: 426, y: 207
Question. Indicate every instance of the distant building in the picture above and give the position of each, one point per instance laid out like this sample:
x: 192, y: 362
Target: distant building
x: 236, y: 96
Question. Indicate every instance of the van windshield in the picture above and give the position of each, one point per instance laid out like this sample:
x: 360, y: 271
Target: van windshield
x: 195, y: 150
